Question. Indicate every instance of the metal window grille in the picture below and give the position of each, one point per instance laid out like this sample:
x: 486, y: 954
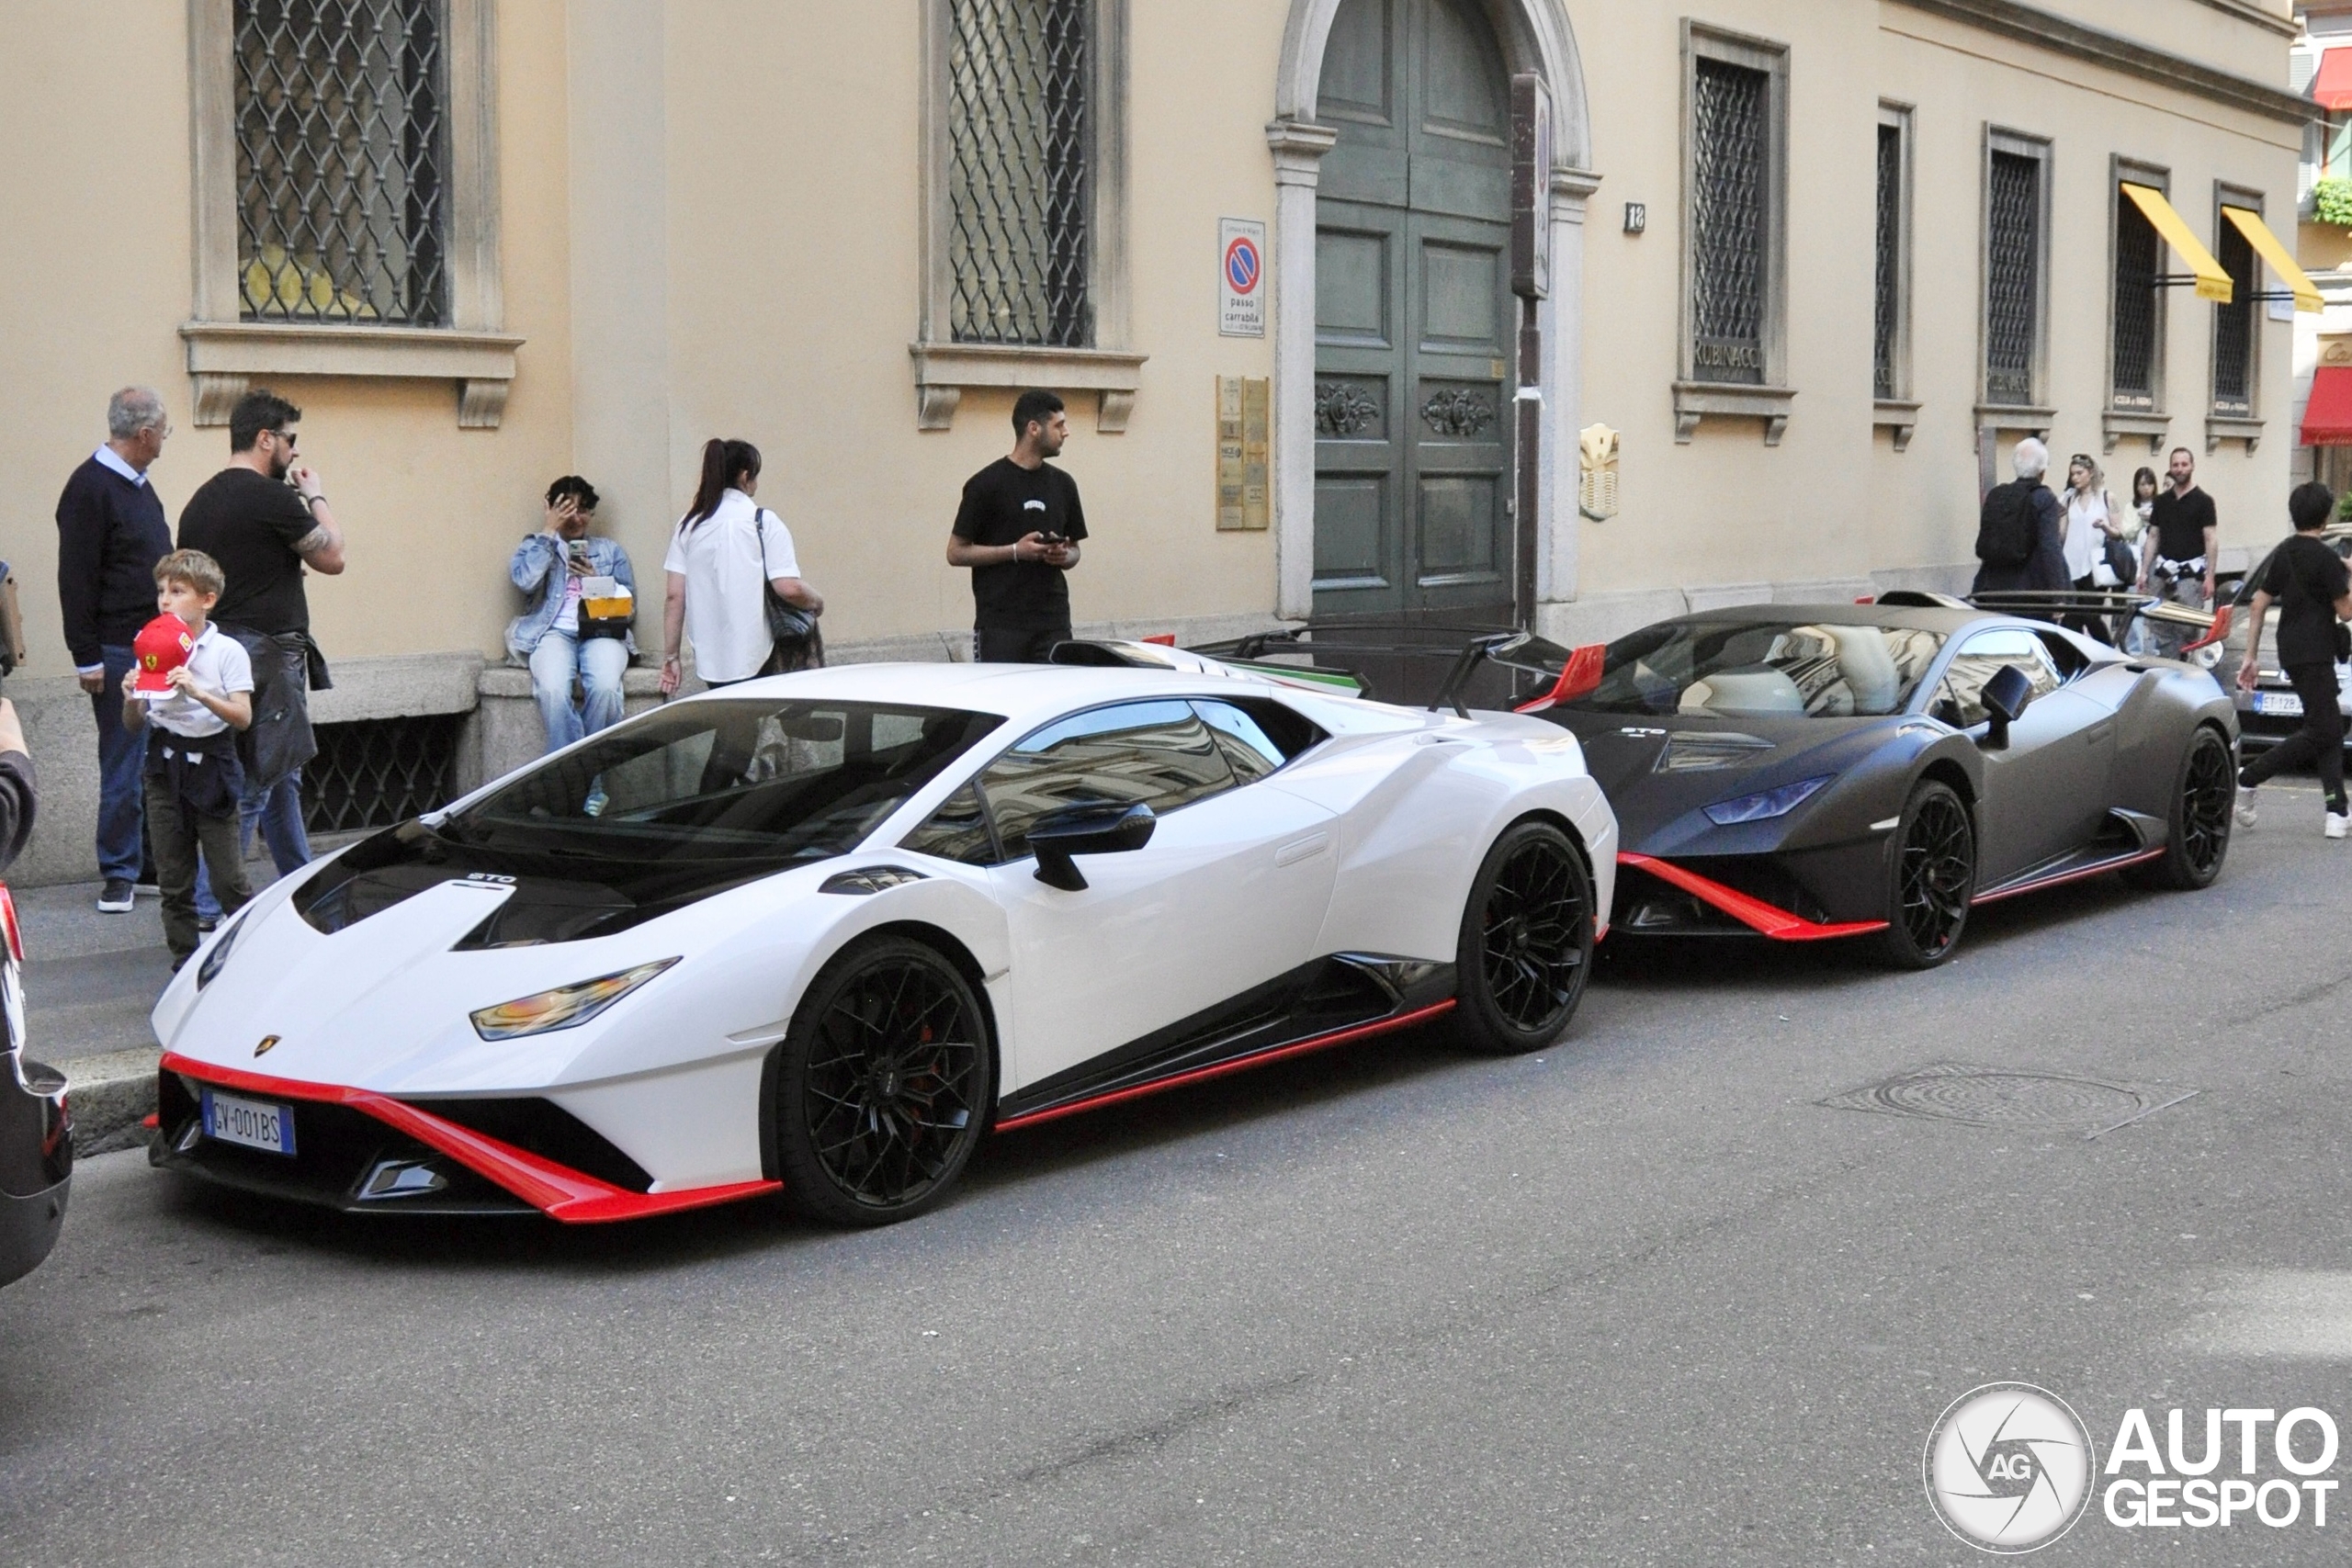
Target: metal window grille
x: 377, y: 772
x: 2233, y: 327
x: 341, y: 144
x: 1890, y: 260
x: 1019, y: 136
x: 2137, y: 259
x: 2013, y: 279
x: 1730, y: 169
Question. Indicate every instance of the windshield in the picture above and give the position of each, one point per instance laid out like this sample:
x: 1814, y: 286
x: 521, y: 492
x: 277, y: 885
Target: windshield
x: 1764, y: 668
x: 734, y: 780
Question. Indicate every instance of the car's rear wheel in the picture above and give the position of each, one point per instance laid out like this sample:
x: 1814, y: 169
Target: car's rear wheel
x: 1526, y: 943
x: 882, y: 1085
x: 2197, y: 827
x: 1931, y: 877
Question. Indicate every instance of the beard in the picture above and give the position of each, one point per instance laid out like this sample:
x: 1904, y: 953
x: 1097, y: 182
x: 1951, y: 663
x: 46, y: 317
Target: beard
x: 278, y: 463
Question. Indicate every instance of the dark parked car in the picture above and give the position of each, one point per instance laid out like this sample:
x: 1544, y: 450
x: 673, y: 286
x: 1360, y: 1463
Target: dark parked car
x: 36, y: 1128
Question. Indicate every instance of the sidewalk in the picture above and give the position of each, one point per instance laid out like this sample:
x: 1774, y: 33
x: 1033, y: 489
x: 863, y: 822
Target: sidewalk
x: 90, y: 982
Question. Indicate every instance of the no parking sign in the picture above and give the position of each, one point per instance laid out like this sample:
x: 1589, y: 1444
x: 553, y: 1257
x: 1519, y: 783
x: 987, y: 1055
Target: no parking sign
x: 1241, y: 275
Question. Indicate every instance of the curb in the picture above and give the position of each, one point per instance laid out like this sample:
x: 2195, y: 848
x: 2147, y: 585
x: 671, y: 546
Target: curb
x: 111, y: 1096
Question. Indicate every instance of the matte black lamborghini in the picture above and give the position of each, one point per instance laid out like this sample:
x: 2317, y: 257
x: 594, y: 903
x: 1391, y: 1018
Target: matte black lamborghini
x: 1813, y: 771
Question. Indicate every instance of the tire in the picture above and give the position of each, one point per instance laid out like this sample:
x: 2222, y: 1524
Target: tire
x: 883, y: 1085
x: 2196, y: 837
x: 1526, y: 944
x: 1930, y: 877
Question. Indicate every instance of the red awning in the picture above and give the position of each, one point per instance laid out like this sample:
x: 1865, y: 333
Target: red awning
x: 2332, y: 88
x: 2327, y: 418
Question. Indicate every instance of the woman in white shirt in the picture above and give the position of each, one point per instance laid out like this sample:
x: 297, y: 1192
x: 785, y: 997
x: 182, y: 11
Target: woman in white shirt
x: 726, y: 551
x: 2091, y: 519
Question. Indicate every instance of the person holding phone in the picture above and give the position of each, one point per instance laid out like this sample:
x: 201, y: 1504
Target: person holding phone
x: 1017, y: 530
x: 553, y: 565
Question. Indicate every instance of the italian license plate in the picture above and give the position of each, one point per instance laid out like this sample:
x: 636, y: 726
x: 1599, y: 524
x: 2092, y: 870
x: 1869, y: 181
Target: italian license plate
x: 253, y: 1124
x: 2278, y: 704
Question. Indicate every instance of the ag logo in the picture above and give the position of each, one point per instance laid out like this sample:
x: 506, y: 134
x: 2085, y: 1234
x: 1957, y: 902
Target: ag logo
x: 267, y: 1042
x: 2008, y: 1468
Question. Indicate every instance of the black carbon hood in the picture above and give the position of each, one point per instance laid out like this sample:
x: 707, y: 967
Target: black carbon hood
x: 1656, y: 770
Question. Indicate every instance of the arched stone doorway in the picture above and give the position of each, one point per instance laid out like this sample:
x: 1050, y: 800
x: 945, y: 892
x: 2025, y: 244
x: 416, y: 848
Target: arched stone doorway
x: 1415, y: 322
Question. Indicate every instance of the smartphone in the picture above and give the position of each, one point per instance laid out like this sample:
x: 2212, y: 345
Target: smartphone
x: 1052, y: 538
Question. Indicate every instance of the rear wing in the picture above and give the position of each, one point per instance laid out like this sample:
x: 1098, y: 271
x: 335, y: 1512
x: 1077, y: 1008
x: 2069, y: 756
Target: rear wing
x: 1438, y: 667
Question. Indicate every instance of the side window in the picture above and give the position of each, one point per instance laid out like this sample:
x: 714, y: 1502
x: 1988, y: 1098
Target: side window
x: 958, y: 830
x: 1157, y: 753
x: 1247, y: 749
x: 1960, y: 700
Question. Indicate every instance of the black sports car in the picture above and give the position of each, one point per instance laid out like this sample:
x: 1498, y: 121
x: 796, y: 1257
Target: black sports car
x: 36, y: 1134
x: 1810, y: 771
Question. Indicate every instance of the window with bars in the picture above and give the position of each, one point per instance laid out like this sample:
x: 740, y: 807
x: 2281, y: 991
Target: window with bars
x: 2233, y: 326
x: 379, y: 772
x: 341, y: 145
x: 1020, y: 195
x: 1730, y: 219
x: 2012, y: 278
x: 1885, y: 338
x: 2138, y: 262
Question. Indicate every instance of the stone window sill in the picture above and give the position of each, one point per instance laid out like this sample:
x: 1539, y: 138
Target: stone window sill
x: 226, y: 358
x: 1900, y: 415
x: 2034, y: 422
x: 2222, y: 428
x: 2152, y: 425
x: 943, y: 370
x: 1697, y: 400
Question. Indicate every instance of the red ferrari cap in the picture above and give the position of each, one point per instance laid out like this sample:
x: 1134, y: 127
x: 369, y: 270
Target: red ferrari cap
x: 163, y: 646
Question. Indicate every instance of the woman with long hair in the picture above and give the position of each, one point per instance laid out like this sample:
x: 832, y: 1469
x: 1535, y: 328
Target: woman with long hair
x: 726, y: 556
x: 2089, y: 523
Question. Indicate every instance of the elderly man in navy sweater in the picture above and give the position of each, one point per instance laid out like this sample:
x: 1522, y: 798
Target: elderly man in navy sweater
x: 110, y: 534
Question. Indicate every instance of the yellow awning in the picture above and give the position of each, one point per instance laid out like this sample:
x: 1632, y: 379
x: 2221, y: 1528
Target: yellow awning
x: 2266, y: 244
x: 2212, y: 282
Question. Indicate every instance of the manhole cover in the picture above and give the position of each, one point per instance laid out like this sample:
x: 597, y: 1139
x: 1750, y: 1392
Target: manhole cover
x: 2025, y: 1099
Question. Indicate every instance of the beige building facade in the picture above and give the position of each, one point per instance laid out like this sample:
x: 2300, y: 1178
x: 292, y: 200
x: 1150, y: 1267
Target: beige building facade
x: 1802, y: 265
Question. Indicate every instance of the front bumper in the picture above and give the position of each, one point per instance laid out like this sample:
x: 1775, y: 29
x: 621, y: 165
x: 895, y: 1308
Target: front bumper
x: 36, y: 1164
x: 365, y: 1153
x: 1802, y: 897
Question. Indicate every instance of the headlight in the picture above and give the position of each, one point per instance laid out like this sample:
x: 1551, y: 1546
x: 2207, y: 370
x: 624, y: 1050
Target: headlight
x: 216, y: 958
x: 1766, y: 803
x: 564, y: 1007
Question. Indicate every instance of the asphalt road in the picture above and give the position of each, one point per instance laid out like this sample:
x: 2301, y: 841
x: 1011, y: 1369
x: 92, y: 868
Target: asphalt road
x: 1640, y: 1300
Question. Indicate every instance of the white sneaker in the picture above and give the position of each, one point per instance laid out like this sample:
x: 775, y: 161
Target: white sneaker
x: 2337, y: 822
x: 2245, y: 813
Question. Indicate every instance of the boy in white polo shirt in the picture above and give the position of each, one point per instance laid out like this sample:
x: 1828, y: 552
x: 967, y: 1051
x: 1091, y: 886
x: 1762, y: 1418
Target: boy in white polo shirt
x: 191, y: 691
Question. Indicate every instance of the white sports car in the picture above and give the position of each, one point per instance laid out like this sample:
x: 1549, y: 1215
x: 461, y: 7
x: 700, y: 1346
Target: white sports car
x: 820, y: 932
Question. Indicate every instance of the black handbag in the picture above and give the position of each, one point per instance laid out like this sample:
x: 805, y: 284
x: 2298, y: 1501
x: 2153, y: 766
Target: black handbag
x: 789, y: 623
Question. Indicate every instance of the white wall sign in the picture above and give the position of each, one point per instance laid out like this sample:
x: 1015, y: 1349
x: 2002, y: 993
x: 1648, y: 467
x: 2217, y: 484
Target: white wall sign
x: 1241, y: 277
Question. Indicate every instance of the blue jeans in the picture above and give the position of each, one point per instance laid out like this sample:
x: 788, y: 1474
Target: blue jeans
x: 122, y: 791
x: 599, y: 662
x: 278, y: 811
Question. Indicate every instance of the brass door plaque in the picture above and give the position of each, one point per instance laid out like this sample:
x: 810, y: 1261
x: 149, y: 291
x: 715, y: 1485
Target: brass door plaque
x: 1244, y: 452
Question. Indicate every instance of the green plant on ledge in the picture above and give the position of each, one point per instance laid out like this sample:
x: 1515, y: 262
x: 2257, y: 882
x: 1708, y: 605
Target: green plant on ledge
x: 2332, y: 202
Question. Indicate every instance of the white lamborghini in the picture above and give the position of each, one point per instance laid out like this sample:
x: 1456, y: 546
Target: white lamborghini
x: 822, y: 933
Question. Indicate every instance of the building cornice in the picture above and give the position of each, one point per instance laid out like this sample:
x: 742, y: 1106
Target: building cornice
x: 2096, y: 46
x: 2247, y: 11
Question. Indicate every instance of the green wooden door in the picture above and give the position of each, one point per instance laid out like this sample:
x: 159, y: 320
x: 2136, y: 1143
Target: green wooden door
x: 1415, y: 322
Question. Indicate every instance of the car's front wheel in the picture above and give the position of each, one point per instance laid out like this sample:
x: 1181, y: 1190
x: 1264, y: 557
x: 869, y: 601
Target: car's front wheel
x: 882, y: 1085
x: 2197, y: 827
x: 1526, y: 944
x: 1931, y: 877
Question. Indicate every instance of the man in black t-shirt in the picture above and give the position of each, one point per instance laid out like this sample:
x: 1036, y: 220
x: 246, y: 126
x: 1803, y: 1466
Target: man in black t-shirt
x: 264, y: 518
x: 2313, y: 589
x: 1017, y: 530
x: 2180, y: 558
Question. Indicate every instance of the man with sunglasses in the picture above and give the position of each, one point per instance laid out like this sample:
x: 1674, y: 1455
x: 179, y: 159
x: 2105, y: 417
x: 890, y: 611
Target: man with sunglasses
x: 264, y: 518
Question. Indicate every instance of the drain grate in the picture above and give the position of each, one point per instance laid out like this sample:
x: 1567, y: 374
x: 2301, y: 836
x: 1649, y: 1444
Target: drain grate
x: 2024, y: 1098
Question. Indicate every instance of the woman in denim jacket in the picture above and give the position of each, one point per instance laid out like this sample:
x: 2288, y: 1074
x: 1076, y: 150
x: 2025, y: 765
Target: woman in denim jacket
x: 551, y: 565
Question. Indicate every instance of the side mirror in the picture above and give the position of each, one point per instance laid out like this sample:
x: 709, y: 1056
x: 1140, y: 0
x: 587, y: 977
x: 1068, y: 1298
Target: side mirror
x: 1094, y: 829
x: 2006, y: 697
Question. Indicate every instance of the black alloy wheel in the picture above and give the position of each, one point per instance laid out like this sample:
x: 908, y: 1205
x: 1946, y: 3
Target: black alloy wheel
x: 1526, y: 946
x: 2197, y: 827
x: 1931, y: 877
x: 882, y: 1085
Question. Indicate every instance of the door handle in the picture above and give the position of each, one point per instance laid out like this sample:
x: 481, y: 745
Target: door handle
x: 1298, y: 849
x: 2103, y: 731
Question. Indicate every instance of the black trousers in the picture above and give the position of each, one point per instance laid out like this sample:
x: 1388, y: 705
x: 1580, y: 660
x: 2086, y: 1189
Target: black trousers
x: 1016, y: 645
x: 2319, y: 742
